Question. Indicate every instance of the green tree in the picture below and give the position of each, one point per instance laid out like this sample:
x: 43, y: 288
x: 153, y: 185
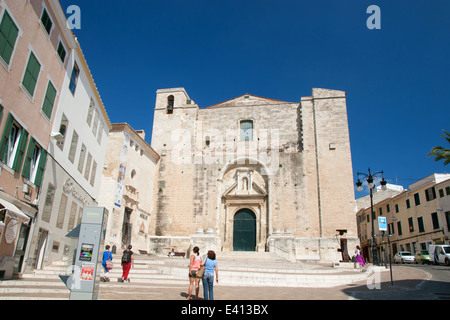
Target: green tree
x: 440, y: 153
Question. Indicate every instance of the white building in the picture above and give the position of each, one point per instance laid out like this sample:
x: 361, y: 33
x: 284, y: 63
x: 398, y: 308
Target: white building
x: 76, y: 159
x: 128, y: 187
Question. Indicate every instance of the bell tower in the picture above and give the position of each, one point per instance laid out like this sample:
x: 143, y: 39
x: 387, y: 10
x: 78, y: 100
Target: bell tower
x: 174, y: 114
x: 173, y: 139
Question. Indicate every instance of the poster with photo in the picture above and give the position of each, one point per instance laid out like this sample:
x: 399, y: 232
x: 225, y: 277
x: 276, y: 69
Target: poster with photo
x: 86, y: 252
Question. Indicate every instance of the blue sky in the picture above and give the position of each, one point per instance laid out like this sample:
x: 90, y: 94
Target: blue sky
x: 397, y: 78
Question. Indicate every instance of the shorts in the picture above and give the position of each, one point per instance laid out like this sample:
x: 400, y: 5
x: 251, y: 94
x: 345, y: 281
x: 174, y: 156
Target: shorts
x: 193, y: 274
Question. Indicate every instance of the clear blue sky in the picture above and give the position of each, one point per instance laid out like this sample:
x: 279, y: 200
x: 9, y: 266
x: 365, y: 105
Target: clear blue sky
x: 397, y: 79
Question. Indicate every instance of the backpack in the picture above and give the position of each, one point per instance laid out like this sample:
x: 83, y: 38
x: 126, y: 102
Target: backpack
x: 126, y: 258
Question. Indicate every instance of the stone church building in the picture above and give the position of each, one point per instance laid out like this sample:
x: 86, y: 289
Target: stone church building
x: 254, y: 174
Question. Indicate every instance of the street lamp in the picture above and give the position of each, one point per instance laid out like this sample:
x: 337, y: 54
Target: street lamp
x: 371, y: 184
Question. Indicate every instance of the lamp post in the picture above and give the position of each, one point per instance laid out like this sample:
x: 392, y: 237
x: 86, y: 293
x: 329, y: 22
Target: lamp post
x: 371, y: 184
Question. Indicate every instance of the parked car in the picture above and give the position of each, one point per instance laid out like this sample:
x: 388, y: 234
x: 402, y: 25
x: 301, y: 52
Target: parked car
x: 440, y: 254
x: 403, y: 257
x: 422, y: 257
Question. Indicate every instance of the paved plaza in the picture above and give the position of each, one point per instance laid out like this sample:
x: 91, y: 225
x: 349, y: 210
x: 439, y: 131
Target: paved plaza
x: 407, y: 284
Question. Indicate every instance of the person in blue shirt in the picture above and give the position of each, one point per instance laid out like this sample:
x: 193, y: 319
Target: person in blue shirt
x: 210, y: 265
x: 107, y: 255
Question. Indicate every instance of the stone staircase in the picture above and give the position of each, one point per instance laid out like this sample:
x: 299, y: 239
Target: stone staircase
x: 39, y: 285
x: 152, y: 272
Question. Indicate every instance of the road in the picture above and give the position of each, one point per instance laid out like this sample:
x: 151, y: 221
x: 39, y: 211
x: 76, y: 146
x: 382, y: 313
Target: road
x: 434, y: 285
x: 439, y: 284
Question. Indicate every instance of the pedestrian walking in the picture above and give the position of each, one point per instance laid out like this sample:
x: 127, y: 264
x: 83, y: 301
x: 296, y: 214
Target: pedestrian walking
x: 106, y: 263
x: 359, y: 257
x: 127, y: 262
x: 210, y: 265
x: 194, y: 265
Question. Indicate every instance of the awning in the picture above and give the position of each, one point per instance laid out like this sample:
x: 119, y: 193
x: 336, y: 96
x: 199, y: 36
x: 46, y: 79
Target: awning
x: 14, y: 212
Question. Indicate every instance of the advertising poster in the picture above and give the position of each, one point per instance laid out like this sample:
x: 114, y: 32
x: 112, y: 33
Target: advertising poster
x: 87, y: 272
x: 86, y: 252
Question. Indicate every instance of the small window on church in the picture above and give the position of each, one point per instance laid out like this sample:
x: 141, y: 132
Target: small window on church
x: 247, y: 130
x: 170, y: 103
x: 207, y: 141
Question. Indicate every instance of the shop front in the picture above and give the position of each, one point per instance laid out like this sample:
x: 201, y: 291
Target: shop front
x: 15, y: 226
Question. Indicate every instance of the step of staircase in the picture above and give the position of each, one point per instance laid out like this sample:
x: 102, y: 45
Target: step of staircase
x: 152, y: 272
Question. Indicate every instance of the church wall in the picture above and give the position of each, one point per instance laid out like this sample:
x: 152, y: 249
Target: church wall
x: 301, y: 149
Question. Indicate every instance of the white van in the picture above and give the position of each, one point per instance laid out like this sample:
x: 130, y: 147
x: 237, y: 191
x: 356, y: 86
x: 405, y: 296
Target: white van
x: 440, y: 254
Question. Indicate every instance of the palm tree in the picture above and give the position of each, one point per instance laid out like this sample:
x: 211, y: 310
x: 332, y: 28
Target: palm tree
x: 440, y: 153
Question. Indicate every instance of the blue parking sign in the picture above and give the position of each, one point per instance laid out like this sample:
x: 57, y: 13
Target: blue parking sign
x: 382, y: 223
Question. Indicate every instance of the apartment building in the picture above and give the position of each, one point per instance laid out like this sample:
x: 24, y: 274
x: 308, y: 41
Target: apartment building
x: 77, y: 152
x: 416, y: 217
x: 54, y: 131
x: 32, y: 38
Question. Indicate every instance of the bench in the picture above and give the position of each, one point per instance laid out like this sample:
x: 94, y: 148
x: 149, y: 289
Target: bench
x: 180, y: 254
x: 143, y: 253
x: 176, y: 254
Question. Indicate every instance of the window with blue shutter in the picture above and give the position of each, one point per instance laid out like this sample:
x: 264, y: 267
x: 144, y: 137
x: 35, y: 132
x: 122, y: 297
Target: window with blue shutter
x: 74, y: 78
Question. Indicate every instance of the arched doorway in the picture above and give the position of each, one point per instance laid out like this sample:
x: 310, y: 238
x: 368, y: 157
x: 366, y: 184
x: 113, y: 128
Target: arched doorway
x: 244, y: 231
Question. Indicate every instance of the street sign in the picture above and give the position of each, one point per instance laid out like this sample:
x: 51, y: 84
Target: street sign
x: 382, y: 223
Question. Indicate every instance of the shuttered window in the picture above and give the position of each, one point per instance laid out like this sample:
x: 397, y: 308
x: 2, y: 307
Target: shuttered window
x: 13, y: 144
x: 35, y: 161
x: 82, y: 158
x: 62, y: 211
x: 61, y: 52
x: 49, y: 100
x: 73, y: 147
x: 31, y: 74
x: 93, y: 173
x: 74, y: 78
x: 46, y: 21
x: 8, y: 37
x: 48, y: 204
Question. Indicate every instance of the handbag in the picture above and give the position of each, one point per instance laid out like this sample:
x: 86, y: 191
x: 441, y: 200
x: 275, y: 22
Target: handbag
x: 200, y: 272
x: 108, y: 263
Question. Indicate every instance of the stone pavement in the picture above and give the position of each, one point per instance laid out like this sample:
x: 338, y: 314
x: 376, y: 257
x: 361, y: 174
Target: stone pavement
x: 257, y: 277
x: 407, y: 284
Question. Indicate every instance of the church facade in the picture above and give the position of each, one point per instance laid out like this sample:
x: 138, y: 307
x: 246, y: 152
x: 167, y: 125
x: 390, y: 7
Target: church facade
x: 254, y: 174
